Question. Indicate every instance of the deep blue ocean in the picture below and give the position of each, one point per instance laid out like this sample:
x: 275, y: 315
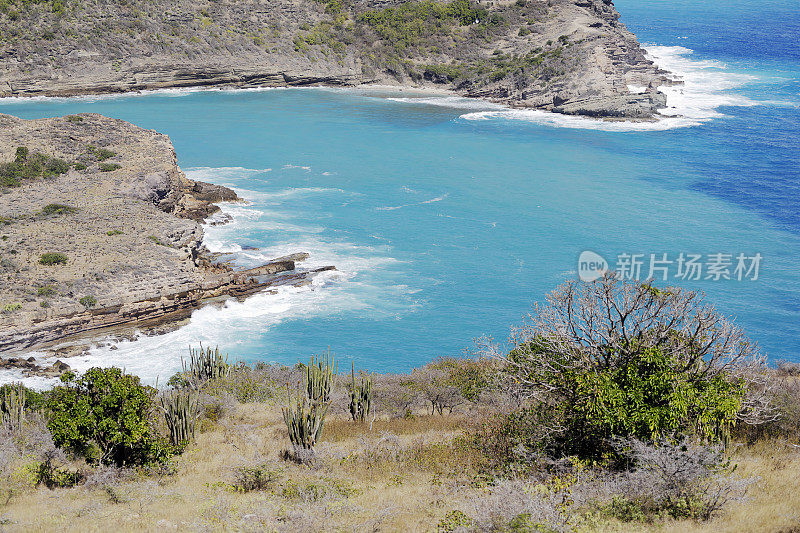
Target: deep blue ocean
x: 448, y: 218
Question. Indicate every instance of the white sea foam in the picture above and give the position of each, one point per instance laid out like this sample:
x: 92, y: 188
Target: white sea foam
x: 707, y: 86
x: 175, y: 92
x: 423, y: 202
x: 454, y: 102
x: 217, y: 173
x: 351, y: 289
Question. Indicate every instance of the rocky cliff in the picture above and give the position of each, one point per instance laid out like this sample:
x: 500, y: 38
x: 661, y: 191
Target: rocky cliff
x: 99, y: 228
x: 568, y: 56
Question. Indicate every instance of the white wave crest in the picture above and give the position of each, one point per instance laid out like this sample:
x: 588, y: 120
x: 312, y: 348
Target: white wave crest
x: 431, y: 201
x: 363, y: 284
x: 176, y: 92
x: 706, y: 87
x: 454, y: 102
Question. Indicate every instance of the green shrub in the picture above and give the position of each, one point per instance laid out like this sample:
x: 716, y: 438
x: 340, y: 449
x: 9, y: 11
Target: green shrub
x: 79, y: 166
x: 57, y: 209
x: 53, y: 258
x: 88, y: 301
x: 409, y: 23
x: 46, y: 291
x: 106, y: 415
x: 51, y: 476
x: 74, y: 118
x: 454, y: 520
x: 254, y: 478
x: 657, y: 380
x: 113, y: 232
x: 109, y: 167
x: 30, y: 166
x: 7, y: 309
x: 100, y: 154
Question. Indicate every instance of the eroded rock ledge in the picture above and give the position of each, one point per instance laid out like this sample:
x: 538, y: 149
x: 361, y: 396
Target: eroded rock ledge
x: 130, y: 237
x: 565, y: 56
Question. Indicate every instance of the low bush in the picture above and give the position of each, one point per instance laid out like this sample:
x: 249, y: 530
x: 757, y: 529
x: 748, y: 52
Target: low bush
x: 113, y: 232
x: 246, y: 384
x: 109, y: 167
x: 100, y: 154
x: 249, y: 478
x: 30, y: 166
x: 784, y: 395
x: 106, y: 416
x: 45, y: 291
x: 53, y: 258
x: 680, y: 479
x: 57, y: 209
x: 7, y: 309
x: 88, y: 301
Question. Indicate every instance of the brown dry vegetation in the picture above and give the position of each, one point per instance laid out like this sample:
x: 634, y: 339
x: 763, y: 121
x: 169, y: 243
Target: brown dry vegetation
x: 452, y: 446
x: 403, y: 474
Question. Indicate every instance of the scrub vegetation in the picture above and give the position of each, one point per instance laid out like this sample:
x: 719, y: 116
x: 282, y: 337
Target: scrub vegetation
x: 30, y: 166
x: 617, y: 406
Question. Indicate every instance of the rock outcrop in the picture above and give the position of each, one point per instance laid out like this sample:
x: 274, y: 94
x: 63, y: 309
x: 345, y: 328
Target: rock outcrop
x: 566, y: 56
x: 124, y: 220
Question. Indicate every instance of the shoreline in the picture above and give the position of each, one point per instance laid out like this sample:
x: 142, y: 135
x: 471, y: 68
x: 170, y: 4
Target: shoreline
x: 146, y: 192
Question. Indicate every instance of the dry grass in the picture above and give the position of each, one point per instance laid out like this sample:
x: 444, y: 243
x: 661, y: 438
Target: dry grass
x: 354, y: 485
x: 774, y: 502
x: 402, y: 475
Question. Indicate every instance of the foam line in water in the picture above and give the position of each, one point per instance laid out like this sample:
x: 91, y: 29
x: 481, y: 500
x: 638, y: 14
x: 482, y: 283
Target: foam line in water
x: 423, y: 202
x: 175, y: 92
x: 706, y: 87
x: 364, y: 284
x: 453, y: 102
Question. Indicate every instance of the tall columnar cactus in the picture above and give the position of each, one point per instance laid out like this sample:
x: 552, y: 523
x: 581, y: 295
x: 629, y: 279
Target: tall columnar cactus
x: 181, y: 410
x: 206, y: 364
x: 304, y: 421
x: 12, y: 406
x: 360, y: 394
x: 319, y: 377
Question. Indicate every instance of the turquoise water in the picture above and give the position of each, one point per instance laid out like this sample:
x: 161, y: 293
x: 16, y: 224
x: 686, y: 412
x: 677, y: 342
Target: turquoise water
x: 448, y: 219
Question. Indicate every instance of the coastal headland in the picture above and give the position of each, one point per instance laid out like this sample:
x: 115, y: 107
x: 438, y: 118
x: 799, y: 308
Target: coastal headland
x: 566, y: 56
x: 100, y: 229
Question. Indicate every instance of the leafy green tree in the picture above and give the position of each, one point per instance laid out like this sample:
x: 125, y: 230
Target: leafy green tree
x: 616, y: 358
x: 106, y: 415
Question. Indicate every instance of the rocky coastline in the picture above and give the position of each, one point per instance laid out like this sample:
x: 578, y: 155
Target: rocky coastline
x: 566, y: 56
x: 124, y: 226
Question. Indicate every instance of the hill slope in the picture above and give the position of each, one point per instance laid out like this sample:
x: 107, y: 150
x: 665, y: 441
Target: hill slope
x: 568, y: 56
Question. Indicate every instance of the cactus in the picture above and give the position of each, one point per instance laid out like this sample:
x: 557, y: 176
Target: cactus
x: 304, y: 422
x: 181, y: 410
x: 12, y: 406
x: 319, y: 378
x: 205, y: 365
x: 360, y: 394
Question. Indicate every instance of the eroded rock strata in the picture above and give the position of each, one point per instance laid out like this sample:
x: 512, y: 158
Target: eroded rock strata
x: 114, y: 240
x: 567, y: 56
